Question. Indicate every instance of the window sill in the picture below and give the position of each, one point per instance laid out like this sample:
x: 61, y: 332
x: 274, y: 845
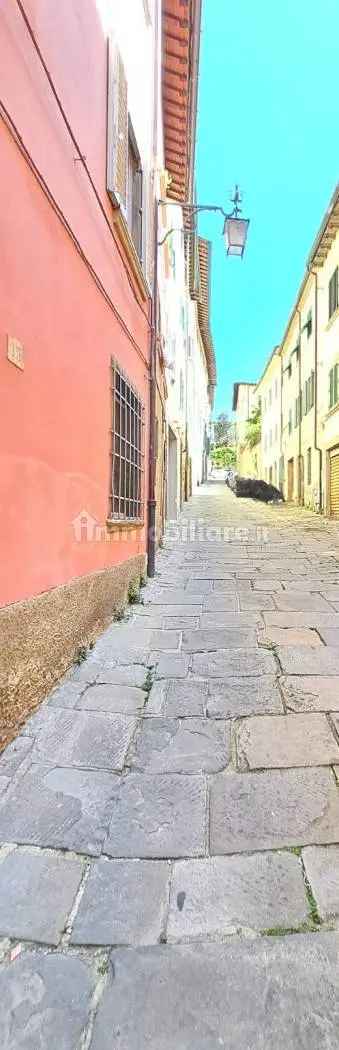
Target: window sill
x: 121, y: 228
x: 332, y: 319
x: 120, y: 525
x: 331, y: 412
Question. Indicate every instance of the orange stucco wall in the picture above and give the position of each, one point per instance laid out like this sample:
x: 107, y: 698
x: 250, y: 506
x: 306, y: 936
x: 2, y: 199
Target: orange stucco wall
x: 55, y: 414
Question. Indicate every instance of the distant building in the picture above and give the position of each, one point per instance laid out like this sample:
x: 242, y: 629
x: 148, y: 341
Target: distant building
x: 244, y: 402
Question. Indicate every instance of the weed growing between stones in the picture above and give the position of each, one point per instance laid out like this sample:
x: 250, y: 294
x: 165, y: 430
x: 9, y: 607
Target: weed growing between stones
x: 82, y: 654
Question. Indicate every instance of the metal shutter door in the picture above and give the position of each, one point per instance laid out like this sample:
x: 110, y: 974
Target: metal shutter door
x: 334, y: 485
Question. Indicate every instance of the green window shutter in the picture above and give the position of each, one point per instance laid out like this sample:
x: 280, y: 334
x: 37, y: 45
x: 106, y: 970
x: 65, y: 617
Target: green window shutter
x: 331, y: 388
x: 335, y: 384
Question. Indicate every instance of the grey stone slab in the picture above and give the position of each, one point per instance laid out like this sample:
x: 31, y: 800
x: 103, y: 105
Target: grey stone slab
x: 158, y: 816
x: 133, y: 675
x: 296, y: 600
x: 87, y: 670
x: 45, y: 1001
x: 142, y: 638
x: 256, y: 600
x: 289, y: 807
x: 124, y: 902
x: 230, y: 619
x: 67, y: 694
x: 129, y: 657
x: 182, y: 623
x: 60, y: 808
x: 37, y: 891
x: 267, y: 584
x: 330, y: 593
x: 234, y: 662
x: 283, y: 741
x: 116, y: 699
x: 173, y: 699
x: 198, y: 586
x: 193, y: 745
x: 220, y: 603
x: 167, y: 597
x: 4, y: 784
x: 233, y: 697
x: 322, y: 870
x: 330, y: 635
x: 310, y: 692
x: 217, y: 896
x: 84, y: 739
x: 170, y: 665
x: 175, y: 611
x: 293, y: 636
x: 14, y: 755
x: 218, y: 638
x: 303, y: 618
x: 276, y: 993
x: 321, y: 661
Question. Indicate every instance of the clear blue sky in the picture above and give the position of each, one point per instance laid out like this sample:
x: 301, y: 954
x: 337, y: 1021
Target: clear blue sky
x: 268, y: 119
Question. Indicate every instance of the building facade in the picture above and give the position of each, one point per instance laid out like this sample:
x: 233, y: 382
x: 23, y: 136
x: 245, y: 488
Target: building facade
x: 248, y: 463
x: 299, y: 389
x: 85, y: 143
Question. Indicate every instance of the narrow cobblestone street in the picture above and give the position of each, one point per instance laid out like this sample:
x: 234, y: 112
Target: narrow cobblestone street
x: 169, y: 818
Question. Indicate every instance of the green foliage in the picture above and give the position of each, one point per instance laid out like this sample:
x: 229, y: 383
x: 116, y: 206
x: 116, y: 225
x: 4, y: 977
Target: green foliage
x: 223, y: 456
x: 253, y: 430
x: 222, y: 428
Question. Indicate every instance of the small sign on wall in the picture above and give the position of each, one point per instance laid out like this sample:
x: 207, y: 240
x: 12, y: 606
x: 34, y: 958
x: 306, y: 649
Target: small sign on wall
x: 15, y: 352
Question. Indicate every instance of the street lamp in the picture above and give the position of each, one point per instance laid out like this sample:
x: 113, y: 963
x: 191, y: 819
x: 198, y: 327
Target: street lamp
x: 236, y: 227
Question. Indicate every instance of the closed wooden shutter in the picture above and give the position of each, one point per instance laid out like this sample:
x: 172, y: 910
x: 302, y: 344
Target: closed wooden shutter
x: 334, y: 484
x: 117, y: 128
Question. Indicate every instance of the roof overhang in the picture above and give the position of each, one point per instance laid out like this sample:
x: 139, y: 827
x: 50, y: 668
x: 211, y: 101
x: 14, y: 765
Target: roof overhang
x: 204, y: 249
x: 327, y: 233
x: 180, y: 62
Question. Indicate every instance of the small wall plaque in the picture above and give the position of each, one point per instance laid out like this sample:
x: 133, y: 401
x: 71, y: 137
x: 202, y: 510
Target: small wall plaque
x: 15, y: 352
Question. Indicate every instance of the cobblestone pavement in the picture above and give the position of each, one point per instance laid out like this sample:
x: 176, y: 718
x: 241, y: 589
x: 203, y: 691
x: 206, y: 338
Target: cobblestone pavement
x: 169, y: 819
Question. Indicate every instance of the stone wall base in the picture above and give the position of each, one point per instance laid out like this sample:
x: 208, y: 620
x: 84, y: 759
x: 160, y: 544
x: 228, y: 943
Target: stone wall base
x: 40, y: 638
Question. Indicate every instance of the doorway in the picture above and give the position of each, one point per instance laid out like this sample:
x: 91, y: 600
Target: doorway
x: 290, y: 480
x: 172, y: 477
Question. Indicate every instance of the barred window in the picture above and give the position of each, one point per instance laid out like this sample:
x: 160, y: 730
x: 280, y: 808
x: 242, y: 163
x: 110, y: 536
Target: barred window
x: 127, y: 495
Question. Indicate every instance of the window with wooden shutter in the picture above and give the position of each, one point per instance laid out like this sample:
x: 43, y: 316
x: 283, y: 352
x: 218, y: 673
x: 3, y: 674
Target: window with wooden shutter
x: 117, y: 128
x: 333, y: 293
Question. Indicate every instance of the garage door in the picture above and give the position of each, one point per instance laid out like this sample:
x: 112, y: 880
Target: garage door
x: 334, y: 484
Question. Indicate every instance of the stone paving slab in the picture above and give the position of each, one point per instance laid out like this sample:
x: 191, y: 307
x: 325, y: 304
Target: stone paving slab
x: 220, y: 603
x: 218, y: 638
x: 84, y: 739
x: 284, y: 741
x: 322, y: 870
x: 182, y: 623
x: 133, y: 675
x: 234, y: 620
x: 310, y: 692
x: 169, y: 609
x: 294, y: 636
x: 45, y: 1001
x: 158, y: 816
x: 234, y: 697
x: 303, y: 618
x: 67, y: 694
x: 290, y: 807
x: 295, y: 601
x: 124, y: 902
x: 115, y: 699
x: 321, y: 661
x: 177, y: 597
x: 15, y: 754
x: 256, y: 600
x: 59, y: 808
x: 217, y: 896
x: 198, y: 586
x: 268, y: 994
x: 172, y: 699
x: 330, y: 635
x: 232, y: 662
x: 194, y: 745
x: 132, y: 637
x: 37, y: 891
x: 170, y: 665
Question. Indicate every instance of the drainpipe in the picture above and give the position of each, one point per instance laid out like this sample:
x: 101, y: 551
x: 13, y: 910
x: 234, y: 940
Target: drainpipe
x: 316, y: 446
x: 152, y: 503
x: 299, y: 412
